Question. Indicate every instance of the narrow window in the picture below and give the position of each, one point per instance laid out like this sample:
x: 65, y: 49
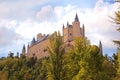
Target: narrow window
x: 45, y: 50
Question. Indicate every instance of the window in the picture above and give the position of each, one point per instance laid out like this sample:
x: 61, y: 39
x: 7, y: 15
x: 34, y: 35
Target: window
x: 69, y: 40
x: 45, y: 50
x: 68, y: 44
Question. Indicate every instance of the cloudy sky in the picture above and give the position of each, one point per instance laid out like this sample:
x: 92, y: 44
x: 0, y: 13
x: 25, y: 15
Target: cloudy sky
x: 21, y: 20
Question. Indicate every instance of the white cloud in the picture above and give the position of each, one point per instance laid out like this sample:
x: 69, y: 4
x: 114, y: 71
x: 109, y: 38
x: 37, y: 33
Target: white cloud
x: 59, y: 11
x: 46, y: 13
x: 8, y: 35
x: 19, y: 9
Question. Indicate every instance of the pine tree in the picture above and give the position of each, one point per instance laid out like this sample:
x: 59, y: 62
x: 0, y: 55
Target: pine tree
x: 118, y: 69
x: 84, y: 62
x: 55, y: 63
x: 117, y: 21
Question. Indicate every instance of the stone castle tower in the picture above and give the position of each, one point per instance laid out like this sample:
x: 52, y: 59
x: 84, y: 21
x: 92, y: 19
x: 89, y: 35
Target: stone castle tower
x: 72, y: 31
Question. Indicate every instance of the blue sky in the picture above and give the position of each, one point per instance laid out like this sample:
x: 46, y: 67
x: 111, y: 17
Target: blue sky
x: 21, y: 20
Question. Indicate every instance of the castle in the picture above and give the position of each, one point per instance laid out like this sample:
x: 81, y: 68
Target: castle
x: 38, y: 46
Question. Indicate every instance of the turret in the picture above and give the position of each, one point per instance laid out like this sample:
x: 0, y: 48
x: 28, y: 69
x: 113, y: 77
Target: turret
x: 83, y: 31
x: 76, y: 28
x: 33, y: 41
x: 67, y: 24
x: 39, y: 36
x: 76, y: 18
x: 24, y: 50
x: 28, y: 45
x: 63, y: 26
x: 63, y: 30
x: 100, y: 47
x: 28, y: 48
x: 17, y: 55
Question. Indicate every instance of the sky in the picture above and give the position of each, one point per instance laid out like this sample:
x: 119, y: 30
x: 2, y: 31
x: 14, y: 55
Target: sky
x: 21, y: 20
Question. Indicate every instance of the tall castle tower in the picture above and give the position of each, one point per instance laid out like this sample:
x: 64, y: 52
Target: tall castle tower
x: 73, y: 31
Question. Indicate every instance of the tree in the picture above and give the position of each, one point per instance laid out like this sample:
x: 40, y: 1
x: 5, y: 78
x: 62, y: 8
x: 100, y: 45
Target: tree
x: 55, y: 62
x: 118, y: 69
x: 2, y: 76
x: 79, y: 61
x: 117, y: 21
x: 90, y: 64
x: 85, y: 63
x: 73, y: 57
x: 108, y: 68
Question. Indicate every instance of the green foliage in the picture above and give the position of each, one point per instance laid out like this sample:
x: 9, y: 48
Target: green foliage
x: 117, y: 21
x: 117, y: 17
x: 118, y: 69
x: 83, y: 62
x: 89, y: 60
x: 117, y: 42
x: 21, y: 69
x: 56, y: 50
x: 108, y: 68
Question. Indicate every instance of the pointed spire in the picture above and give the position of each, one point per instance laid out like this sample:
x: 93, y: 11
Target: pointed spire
x: 17, y: 54
x: 76, y: 18
x: 23, y: 50
x: 100, y: 47
x: 83, y: 30
x: 28, y: 48
x: 63, y: 26
x: 28, y: 45
x: 24, y: 47
x: 83, y: 26
x: 67, y: 24
x: 33, y: 41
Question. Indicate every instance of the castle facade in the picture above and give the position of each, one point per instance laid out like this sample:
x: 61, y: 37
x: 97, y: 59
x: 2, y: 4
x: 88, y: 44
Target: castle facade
x: 38, y: 46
